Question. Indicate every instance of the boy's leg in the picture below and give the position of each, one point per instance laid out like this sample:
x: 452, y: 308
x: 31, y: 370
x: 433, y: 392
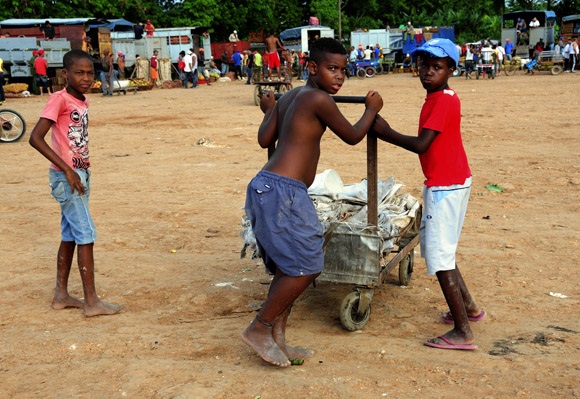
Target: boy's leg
x: 259, y: 334
x: 461, y: 333
x: 62, y: 299
x: 93, y: 305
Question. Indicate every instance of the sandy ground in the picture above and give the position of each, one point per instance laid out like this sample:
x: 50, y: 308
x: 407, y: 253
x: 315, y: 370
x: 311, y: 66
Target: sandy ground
x: 168, y: 216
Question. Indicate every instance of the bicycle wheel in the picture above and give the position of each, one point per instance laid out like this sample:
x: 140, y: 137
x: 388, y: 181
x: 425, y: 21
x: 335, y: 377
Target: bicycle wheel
x: 510, y: 70
x: 360, y: 73
x: 13, y: 126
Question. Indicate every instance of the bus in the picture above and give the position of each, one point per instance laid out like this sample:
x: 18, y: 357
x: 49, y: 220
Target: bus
x: 526, y: 40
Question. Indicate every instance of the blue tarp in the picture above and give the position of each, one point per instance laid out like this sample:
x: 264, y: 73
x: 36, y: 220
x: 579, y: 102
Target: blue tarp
x: 295, y: 33
x: 113, y: 24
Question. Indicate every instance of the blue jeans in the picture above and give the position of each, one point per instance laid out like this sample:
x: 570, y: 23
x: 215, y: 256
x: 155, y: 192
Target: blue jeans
x: 190, y: 76
x: 107, y: 82
x: 76, y: 222
x: 225, y: 68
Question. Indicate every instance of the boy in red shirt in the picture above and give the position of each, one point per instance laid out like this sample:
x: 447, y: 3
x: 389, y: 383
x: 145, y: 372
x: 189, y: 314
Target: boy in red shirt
x: 67, y: 114
x: 40, y: 67
x: 447, y: 186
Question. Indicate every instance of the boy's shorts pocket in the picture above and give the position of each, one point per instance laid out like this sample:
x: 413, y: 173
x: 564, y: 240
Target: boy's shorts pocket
x: 261, y: 185
x: 59, y: 191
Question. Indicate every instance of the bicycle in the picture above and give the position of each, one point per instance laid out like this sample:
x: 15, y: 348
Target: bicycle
x: 13, y: 126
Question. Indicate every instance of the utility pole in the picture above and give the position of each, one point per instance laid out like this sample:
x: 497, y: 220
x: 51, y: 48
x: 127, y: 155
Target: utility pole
x: 339, y: 21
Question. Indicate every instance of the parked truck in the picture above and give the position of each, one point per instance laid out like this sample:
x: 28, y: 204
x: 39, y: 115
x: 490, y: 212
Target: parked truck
x: 301, y: 37
x: 394, y: 44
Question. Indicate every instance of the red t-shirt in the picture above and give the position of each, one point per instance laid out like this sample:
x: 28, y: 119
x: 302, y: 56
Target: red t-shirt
x: 40, y: 65
x: 445, y: 162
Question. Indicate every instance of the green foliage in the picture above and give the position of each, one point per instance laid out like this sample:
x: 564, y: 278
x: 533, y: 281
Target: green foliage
x: 473, y: 20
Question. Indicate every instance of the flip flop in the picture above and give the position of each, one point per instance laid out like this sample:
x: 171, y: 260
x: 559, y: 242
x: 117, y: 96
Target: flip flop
x: 450, y: 345
x: 447, y: 317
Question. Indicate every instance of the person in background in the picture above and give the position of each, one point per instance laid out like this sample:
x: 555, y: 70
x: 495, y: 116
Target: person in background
x: 138, y: 29
x: 181, y: 65
x: 121, y: 64
x: 509, y: 49
x: 201, y: 65
x: 107, y: 73
x: 409, y: 31
x: 250, y: 66
x: 225, y: 63
x: 2, y: 95
x: 234, y: 37
x: 40, y: 69
x: 48, y: 31
x: 257, y: 69
x: 149, y: 28
x: 154, y: 68
x: 237, y: 59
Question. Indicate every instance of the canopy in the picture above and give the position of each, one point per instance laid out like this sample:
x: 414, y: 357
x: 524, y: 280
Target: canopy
x: 296, y: 33
x: 113, y: 24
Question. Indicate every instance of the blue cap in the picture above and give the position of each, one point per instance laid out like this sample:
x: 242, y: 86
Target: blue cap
x: 439, y: 48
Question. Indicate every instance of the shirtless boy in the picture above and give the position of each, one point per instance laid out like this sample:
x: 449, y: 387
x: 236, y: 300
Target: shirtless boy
x: 67, y: 114
x: 283, y: 217
x: 272, y: 45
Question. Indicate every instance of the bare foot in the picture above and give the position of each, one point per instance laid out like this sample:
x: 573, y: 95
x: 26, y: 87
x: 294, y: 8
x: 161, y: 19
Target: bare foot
x: 101, y: 308
x: 68, y: 301
x: 298, y: 353
x: 259, y: 338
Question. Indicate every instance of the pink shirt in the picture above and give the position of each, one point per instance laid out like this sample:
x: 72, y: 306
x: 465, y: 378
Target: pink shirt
x: 70, y: 135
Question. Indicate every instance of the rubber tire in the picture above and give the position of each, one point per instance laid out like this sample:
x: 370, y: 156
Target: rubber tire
x: 349, y: 316
x: 457, y: 72
x: 510, y: 70
x: 360, y: 73
x: 556, y: 69
x: 370, y: 72
x: 14, y: 128
x: 406, y: 269
x: 257, y: 95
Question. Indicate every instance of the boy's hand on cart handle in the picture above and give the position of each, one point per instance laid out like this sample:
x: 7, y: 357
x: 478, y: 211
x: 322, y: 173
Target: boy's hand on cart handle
x: 268, y: 101
x: 374, y: 101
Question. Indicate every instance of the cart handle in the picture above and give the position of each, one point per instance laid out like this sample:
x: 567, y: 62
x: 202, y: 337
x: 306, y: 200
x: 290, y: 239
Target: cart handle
x: 372, y: 173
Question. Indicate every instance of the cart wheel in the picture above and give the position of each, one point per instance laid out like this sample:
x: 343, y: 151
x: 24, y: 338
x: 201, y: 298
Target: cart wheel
x: 257, y: 95
x: 282, y: 89
x: 556, y: 69
x: 370, y: 72
x: 124, y: 92
x: 350, y: 315
x: 406, y: 269
x: 360, y: 73
x: 510, y: 70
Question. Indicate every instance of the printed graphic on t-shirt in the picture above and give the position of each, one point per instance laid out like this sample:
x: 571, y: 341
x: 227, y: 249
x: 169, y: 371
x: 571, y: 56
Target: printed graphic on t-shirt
x: 79, y: 139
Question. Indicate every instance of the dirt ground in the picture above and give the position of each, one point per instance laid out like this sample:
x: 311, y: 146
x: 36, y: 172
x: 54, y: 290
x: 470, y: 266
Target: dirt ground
x: 168, y: 214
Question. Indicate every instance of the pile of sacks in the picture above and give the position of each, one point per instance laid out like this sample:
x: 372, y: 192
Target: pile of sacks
x: 345, y: 208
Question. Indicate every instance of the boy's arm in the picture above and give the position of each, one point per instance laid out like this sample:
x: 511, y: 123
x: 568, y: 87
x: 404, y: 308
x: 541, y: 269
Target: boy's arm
x: 38, y: 142
x: 417, y: 144
x: 268, y: 131
x: 331, y: 116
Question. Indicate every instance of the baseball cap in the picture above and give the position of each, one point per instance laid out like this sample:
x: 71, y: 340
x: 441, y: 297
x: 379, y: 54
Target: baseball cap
x: 190, y: 52
x: 439, y: 48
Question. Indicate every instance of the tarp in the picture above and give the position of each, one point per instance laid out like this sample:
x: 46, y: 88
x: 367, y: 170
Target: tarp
x: 113, y: 24
x: 295, y: 33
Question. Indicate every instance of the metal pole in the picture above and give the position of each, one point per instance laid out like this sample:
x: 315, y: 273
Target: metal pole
x: 339, y: 22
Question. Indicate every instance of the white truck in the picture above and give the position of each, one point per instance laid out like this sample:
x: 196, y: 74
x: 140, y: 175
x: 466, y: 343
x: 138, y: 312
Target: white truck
x: 182, y: 39
x: 390, y: 40
x: 299, y: 38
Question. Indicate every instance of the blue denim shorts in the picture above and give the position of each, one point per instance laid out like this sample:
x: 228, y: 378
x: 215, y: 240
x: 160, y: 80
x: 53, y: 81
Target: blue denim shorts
x: 76, y: 222
x: 285, y: 224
